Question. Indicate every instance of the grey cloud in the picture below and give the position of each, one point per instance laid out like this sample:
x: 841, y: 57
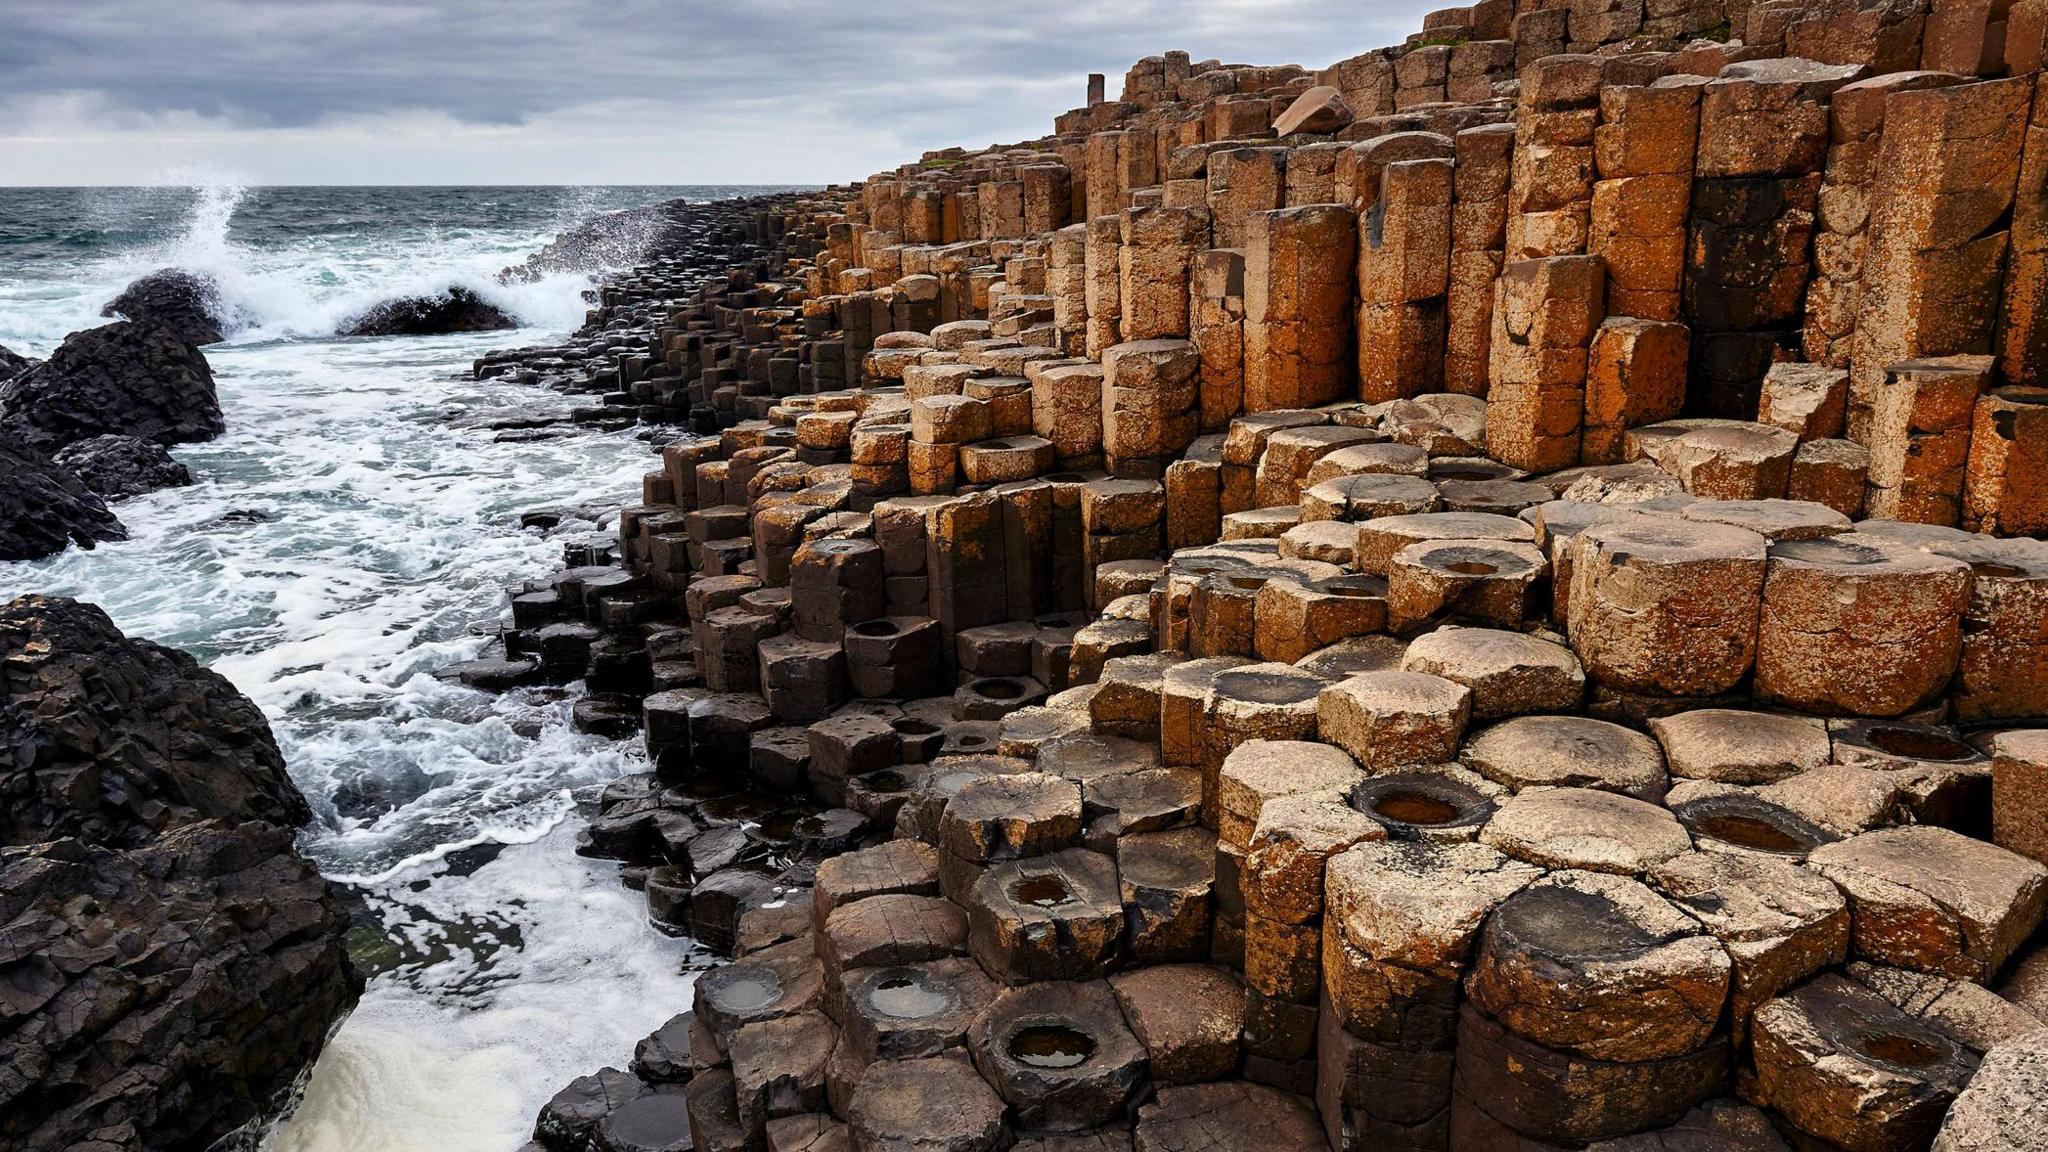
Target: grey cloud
x: 922, y: 72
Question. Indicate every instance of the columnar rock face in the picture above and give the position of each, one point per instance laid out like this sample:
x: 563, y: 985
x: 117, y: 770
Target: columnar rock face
x: 1442, y: 604
x: 45, y: 508
x: 148, y: 804
x: 128, y: 378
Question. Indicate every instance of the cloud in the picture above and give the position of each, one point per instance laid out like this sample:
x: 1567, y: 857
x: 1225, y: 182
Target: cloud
x: 582, y: 91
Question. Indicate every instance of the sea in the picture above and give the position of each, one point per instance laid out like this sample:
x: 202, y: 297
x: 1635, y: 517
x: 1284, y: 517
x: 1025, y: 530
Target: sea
x: 353, y: 531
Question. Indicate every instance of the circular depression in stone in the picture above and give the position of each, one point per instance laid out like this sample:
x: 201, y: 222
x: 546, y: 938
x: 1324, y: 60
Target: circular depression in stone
x: 885, y: 781
x: 1903, y: 1051
x: 996, y: 688
x: 907, y: 994
x: 1749, y: 822
x: 1919, y: 744
x: 744, y: 989
x: 1051, y: 1046
x: 651, y: 1121
x: 1409, y: 804
x: 1826, y: 550
x: 1044, y: 890
x: 876, y: 628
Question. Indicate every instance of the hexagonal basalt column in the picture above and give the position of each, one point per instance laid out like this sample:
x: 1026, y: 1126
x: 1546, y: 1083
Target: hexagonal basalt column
x: 1059, y: 1054
x: 1057, y: 917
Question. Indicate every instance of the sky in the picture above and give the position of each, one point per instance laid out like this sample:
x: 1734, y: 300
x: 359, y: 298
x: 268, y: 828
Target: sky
x: 589, y: 91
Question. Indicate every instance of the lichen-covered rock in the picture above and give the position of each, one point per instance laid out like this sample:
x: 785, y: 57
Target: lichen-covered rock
x: 45, y: 509
x: 450, y: 310
x: 130, y: 378
x: 2005, y: 1107
x: 118, y: 466
x: 187, y: 303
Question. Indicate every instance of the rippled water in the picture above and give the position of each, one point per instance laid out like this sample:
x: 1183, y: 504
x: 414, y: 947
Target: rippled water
x: 345, y: 538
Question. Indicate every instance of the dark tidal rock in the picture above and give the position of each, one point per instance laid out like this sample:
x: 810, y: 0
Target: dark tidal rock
x: 171, y: 963
x: 132, y: 378
x: 118, y: 466
x: 609, y: 240
x: 44, y: 509
x: 13, y: 364
x: 453, y: 310
x: 115, y: 740
x: 187, y: 303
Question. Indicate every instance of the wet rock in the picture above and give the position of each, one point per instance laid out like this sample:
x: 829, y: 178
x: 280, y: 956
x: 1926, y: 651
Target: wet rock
x: 905, y: 1011
x: 1230, y: 1116
x: 113, y: 740
x: 656, y: 1122
x: 451, y: 310
x: 13, y: 364
x: 566, y: 1120
x: 937, y: 1104
x: 663, y: 1057
x: 187, y: 303
x: 45, y: 509
x: 1059, y: 1054
x: 129, y: 378
x: 1057, y: 917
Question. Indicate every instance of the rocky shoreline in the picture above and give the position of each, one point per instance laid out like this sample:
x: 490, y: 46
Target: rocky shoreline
x: 1424, y: 605
x: 1487, y: 598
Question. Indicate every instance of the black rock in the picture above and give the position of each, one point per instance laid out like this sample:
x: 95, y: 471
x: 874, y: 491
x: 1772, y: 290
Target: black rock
x: 13, y: 364
x: 118, y: 466
x: 171, y: 963
x: 163, y: 996
x: 115, y: 740
x: 185, y: 302
x: 44, y: 509
x: 565, y: 1122
x: 131, y: 378
x: 453, y: 310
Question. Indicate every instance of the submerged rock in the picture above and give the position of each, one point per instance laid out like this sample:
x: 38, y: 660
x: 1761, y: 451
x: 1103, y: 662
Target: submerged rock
x: 13, y: 364
x: 453, y: 310
x: 133, y: 378
x: 172, y: 963
x: 187, y: 303
x: 44, y: 509
x: 118, y: 466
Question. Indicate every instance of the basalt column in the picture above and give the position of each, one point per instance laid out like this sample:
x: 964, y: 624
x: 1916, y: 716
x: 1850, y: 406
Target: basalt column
x: 1938, y: 229
x: 1404, y: 249
x: 1297, y: 304
x: 1763, y: 139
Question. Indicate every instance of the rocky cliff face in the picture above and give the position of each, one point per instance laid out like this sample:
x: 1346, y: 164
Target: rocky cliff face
x: 169, y: 964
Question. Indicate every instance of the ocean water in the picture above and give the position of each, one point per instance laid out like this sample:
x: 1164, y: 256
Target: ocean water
x: 348, y: 535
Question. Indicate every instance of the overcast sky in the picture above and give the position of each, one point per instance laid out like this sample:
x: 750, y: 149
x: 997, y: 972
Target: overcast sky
x: 588, y: 91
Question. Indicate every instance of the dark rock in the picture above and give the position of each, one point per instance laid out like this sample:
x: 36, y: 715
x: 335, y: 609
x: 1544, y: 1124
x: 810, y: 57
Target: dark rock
x: 13, y: 364
x: 163, y: 996
x: 130, y: 378
x: 452, y: 310
x: 115, y: 740
x: 45, y: 509
x: 565, y: 1122
x: 118, y: 466
x: 187, y: 303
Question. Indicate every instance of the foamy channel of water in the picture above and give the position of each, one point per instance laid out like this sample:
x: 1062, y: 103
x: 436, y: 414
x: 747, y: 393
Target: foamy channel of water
x: 342, y: 541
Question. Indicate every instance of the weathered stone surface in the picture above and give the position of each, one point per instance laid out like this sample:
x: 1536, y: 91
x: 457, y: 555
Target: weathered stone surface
x: 1585, y: 828
x: 1661, y: 606
x: 126, y: 378
x: 935, y: 1104
x: 1779, y: 922
x: 1740, y: 747
x: 1233, y: 1116
x: 2001, y: 1109
x: 45, y: 508
x: 1568, y: 752
x: 1600, y: 966
x: 188, y: 303
x: 1936, y: 901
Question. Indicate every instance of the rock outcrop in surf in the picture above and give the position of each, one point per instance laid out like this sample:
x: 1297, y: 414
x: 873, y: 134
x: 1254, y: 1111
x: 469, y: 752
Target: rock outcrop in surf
x: 13, y: 364
x: 116, y: 467
x: 453, y: 310
x: 188, y: 303
x: 172, y: 963
x: 132, y: 378
x: 45, y: 509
